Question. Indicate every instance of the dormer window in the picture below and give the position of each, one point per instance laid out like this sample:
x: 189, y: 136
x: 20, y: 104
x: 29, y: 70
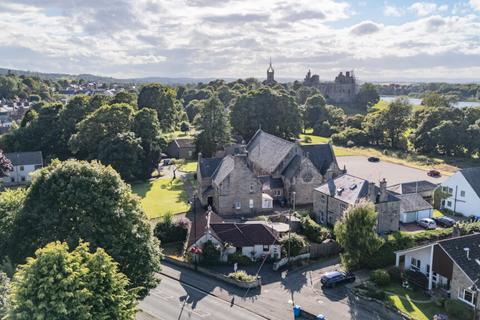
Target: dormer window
x: 251, y: 188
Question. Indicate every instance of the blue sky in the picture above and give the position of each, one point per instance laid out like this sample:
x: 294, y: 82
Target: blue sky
x: 380, y: 40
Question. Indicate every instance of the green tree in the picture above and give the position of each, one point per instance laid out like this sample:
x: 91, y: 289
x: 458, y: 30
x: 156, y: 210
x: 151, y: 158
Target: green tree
x: 58, y: 284
x: 367, y: 96
x: 395, y: 119
x: 125, y: 97
x: 11, y: 202
x: 214, y: 128
x: 355, y: 232
x: 193, y: 109
x: 373, y: 126
x: 9, y: 87
x: 295, y: 243
x: 436, y: 100
x: 315, y: 111
x: 4, y: 291
x: 73, y: 200
x: 275, y: 112
x: 163, y: 100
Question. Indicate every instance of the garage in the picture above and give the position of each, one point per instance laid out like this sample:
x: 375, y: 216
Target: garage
x: 413, y: 208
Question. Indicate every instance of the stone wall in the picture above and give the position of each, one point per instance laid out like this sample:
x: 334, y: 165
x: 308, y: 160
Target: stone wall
x: 306, y: 180
x: 388, y: 216
x: 459, y: 282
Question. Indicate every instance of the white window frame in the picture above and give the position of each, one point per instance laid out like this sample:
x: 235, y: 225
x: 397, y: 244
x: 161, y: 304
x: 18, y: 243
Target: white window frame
x: 238, y: 205
x: 266, y: 248
x: 461, y: 296
x: 250, y: 203
x: 415, y: 264
x: 449, y: 203
x: 251, y: 188
x: 462, y: 193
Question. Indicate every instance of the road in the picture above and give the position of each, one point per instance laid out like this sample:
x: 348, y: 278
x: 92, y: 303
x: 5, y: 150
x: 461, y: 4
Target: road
x: 185, y: 294
x: 174, y: 300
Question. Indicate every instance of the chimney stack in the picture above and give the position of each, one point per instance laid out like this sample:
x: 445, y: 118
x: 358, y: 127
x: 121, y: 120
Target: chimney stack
x: 383, y: 190
x: 372, y: 194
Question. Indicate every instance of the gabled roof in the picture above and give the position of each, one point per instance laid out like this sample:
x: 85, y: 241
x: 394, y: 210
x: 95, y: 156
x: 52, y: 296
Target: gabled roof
x: 226, y: 166
x: 413, y: 187
x: 413, y: 202
x: 455, y: 248
x: 347, y: 188
x: 208, y: 166
x: 200, y: 225
x: 292, y: 167
x: 25, y: 158
x: 472, y: 175
x: 245, y: 234
x: 321, y: 156
x: 268, y: 151
x: 185, y: 142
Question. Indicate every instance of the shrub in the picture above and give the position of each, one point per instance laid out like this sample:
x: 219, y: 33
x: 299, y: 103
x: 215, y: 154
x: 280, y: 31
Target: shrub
x: 241, y: 276
x: 323, y: 129
x: 458, y: 309
x: 395, y: 274
x: 469, y: 227
x: 168, y: 231
x: 308, y: 139
x: 378, y: 294
x: 4, y: 290
x: 358, y: 137
x: 313, y: 231
x: 380, y: 277
x: 297, y: 244
x: 184, y: 127
x: 210, y: 254
x: 239, y: 258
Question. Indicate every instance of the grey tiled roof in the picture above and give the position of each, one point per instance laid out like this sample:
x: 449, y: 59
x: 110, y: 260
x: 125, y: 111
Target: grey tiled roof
x: 224, y: 169
x: 473, y: 177
x: 347, y: 188
x: 208, y: 166
x: 413, y: 202
x: 321, y: 156
x: 185, y: 143
x: 292, y: 167
x: 267, y: 151
x: 455, y: 249
x: 245, y: 234
x: 25, y: 158
x: 413, y: 187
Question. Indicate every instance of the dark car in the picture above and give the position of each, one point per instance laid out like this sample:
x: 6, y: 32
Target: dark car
x: 334, y: 278
x: 373, y: 159
x: 434, y: 173
x: 444, y: 221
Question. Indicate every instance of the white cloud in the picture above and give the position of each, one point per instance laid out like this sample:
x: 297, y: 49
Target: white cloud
x: 392, y: 11
x: 475, y: 4
x: 427, y: 8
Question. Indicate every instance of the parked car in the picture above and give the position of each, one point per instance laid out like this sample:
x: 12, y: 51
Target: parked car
x: 444, y: 221
x: 334, y: 278
x: 168, y: 162
x: 427, y: 223
x: 434, y: 173
x: 373, y: 159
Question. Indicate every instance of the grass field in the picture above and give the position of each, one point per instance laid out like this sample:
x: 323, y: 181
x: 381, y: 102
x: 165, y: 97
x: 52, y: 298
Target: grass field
x: 161, y: 196
x: 187, y: 166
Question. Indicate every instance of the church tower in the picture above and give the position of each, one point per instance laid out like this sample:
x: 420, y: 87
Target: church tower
x: 270, y: 75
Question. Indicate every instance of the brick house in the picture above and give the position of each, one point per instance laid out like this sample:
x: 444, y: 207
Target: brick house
x: 265, y: 170
x: 333, y: 198
x: 452, y: 264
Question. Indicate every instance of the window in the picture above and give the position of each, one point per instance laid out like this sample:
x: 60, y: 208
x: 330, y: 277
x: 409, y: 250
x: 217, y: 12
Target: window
x: 266, y: 248
x: 22, y: 178
x: 22, y: 168
x: 462, y: 193
x: 428, y: 270
x: 445, y: 189
x: 449, y: 203
x: 278, y: 193
x: 415, y: 264
x: 466, y: 295
x: 450, y: 190
x: 238, y: 205
x: 12, y: 179
x: 250, y: 203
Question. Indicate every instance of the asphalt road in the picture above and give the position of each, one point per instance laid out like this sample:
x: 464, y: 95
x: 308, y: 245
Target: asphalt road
x: 375, y: 171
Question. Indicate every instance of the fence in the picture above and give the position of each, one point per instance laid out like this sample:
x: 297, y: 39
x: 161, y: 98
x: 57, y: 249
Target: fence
x: 280, y: 263
x: 325, y: 249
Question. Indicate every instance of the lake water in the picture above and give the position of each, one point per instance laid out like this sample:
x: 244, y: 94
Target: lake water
x: 415, y: 101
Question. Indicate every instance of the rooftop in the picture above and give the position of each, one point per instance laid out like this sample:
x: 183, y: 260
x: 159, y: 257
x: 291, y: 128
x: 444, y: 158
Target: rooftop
x: 413, y: 202
x: 25, y: 158
x: 456, y: 249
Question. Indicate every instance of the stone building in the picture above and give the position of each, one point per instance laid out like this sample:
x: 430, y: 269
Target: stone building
x: 270, y: 76
x: 333, y: 198
x: 266, y: 170
x: 343, y: 90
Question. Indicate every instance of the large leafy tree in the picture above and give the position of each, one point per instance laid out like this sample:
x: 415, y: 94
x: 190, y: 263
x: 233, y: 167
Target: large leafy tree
x: 436, y: 100
x: 59, y: 284
x: 4, y: 290
x: 395, y: 119
x: 367, y: 96
x: 11, y: 202
x: 355, y: 232
x: 163, y: 100
x: 73, y: 200
x: 125, y: 97
x: 214, y: 127
x: 273, y: 111
x: 314, y: 111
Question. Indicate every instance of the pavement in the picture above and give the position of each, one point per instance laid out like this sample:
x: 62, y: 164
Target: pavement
x: 375, y: 171
x: 202, y: 296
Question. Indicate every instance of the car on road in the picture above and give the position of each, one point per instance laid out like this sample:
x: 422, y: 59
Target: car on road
x: 334, y: 278
x: 434, y: 173
x: 444, y: 221
x: 373, y: 159
x: 427, y: 223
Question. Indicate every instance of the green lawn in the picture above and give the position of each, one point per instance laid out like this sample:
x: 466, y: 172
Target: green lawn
x: 412, y: 302
x: 161, y: 196
x: 187, y: 166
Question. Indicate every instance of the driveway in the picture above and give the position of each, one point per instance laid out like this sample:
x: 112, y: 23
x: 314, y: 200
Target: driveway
x: 375, y: 171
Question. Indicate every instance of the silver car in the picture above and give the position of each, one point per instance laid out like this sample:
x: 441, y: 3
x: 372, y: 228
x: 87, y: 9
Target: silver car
x: 427, y: 223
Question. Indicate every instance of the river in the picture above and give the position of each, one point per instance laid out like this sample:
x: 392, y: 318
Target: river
x: 415, y: 101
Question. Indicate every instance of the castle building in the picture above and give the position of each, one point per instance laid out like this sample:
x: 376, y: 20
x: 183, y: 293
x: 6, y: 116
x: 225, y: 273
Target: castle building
x: 270, y: 76
x: 343, y: 90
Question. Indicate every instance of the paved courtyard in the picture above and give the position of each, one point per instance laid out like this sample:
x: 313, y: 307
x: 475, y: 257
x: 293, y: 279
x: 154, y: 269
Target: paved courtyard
x: 375, y: 171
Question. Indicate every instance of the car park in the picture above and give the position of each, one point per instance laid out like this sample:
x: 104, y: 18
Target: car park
x: 427, y: 223
x: 444, y: 221
x: 334, y: 278
x: 373, y: 159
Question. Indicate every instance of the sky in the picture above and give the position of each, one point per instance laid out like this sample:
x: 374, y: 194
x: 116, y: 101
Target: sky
x: 379, y: 40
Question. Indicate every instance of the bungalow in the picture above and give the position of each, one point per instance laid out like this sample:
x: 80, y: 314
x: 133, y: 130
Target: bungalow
x: 423, y: 187
x: 453, y: 264
x: 181, y: 148
x: 253, y: 240
x: 413, y: 207
x: 463, y: 192
x: 24, y: 163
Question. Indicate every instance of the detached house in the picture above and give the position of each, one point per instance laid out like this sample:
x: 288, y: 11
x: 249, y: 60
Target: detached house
x: 252, y: 177
x: 463, y: 189
x: 181, y: 148
x: 24, y: 163
x: 452, y: 264
x: 333, y: 198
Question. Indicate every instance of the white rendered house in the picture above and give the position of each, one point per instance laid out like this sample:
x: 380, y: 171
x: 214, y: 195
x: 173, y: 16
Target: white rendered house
x: 463, y: 189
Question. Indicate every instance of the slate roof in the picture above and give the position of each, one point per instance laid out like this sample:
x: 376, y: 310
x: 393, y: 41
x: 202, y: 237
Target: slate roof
x: 200, y: 225
x: 413, y: 187
x: 292, y: 167
x: 185, y: 143
x: 472, y: 175
x: 226, y: 166
x: 349, y: 189
x: 321, y: 156
x: 455, y: 249
x: 208, y: 166
x: 413, y: 202
x: 245, y: 234
x: 267, y: 151
x: 269, y: 183
x: 25, y: 158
